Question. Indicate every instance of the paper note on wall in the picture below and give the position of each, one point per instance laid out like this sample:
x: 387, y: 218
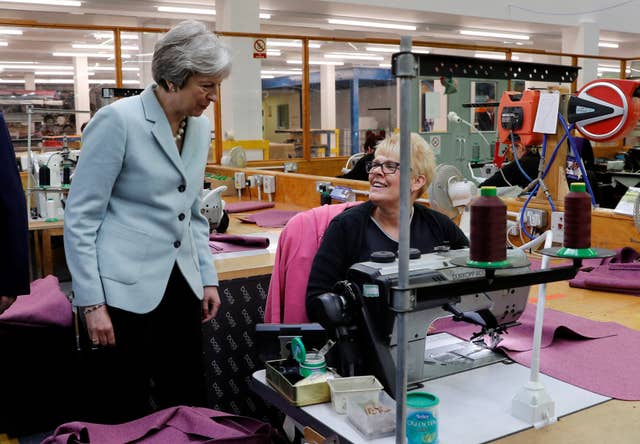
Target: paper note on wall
x: 547, y: 115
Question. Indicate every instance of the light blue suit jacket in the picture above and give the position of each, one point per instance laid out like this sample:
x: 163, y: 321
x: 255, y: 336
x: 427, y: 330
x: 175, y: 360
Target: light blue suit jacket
x: 134, y: 207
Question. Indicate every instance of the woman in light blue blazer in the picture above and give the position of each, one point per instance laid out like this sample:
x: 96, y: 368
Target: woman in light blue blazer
x: 135, y: 240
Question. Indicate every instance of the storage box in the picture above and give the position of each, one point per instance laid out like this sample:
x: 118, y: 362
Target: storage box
x: 282, y: 151
x: 343, y: 388
x: 299, y: 396
x: 372, y: 418
x: 216, y: 182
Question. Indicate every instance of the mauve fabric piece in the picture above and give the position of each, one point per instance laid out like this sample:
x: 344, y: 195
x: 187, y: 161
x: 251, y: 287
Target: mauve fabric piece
x: 614, y: 277
x: 270, y: 218
x: 601, y: 357
x: 173, y: 425
x: 46, y: 305
x: 520, y: 338
x: 226, y: 243
x: 240, y: 207
x: 607, y: 366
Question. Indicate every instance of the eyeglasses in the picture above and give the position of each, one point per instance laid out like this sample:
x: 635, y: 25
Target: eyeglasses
x: 387, y: 167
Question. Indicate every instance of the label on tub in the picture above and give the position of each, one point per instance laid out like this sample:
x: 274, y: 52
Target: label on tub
x: 422, y: 418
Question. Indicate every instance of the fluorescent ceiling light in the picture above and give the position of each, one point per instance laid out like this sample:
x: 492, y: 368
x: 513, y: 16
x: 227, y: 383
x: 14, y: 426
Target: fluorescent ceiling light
x: 353, y: 56
x: 384, y: 65
x: 109, y: 35
x: 87, y: 54
x: 417, y: 50
x: 105, y: 47
x: 605, y: 68
x: 274, y: 52
x: 182, y: 10
x: 4, y: 44
x: 112, y: 68
x: 32, y: 67
x: 46, y: 2
x: 294, y: 44
x: 10, y: 31
x: 502, y: 35
x: 494, y: 56
x: 372, y: 24
x: 315, y: 62
x: 266, y: 76
x: 54, y: 73
x: 280, y: 72
x: 13, y: 81
x: 608, y: 45
x: 264, y: 16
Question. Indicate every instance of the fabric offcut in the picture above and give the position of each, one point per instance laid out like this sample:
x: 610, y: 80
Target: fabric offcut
x: 596, y: 356
x: 173, y: 425
x: 270, y: 218
x: 227, y: 243
x: 45, y: 305
x: 240, y: 207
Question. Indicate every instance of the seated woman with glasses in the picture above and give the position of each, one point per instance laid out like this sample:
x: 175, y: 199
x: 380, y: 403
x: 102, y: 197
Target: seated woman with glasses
x: 353, y: 235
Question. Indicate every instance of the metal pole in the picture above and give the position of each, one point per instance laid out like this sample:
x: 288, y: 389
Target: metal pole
x: 403, y: 301
x: 29, y: 166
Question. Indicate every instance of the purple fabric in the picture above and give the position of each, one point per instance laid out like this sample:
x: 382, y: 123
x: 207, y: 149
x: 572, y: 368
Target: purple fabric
x: 270, y: 218
x: 601, y: 357
x: 173, y: 425
x: 520, y: 338
x: 240, y: 207
x: 225, y: 243
x: 620, y: 274
x: 46, y: 305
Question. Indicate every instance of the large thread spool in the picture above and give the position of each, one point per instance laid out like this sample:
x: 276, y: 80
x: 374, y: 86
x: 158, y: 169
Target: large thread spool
x: 577, y: 217
x: 488, y: 228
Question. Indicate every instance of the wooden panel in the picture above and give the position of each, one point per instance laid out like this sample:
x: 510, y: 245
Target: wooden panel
x: 294, y: 188
x: 608, y: 229
x: 327, y: 166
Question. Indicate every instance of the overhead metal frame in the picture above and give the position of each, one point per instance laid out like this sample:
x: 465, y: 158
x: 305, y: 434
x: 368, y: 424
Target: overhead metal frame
x: 471, y: 67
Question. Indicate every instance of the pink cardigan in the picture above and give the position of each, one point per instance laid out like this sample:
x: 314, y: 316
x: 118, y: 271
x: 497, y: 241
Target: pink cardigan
x: 297, y: 247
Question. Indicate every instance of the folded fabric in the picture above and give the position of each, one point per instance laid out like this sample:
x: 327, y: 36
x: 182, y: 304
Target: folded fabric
x: 619, y: 274
x: 252, y: 241
x: 180, y: 424
x: 239, y: 207
x: 270, y: 218
x: 46, y: 305
x: 227, y: 243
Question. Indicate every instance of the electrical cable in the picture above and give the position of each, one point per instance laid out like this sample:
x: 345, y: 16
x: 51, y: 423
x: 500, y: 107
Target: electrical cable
x: 578, y: 158
x: 515, y: 157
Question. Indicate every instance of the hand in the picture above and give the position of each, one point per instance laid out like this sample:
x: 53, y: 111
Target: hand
x: 210, y: 303
x: 5, y: 302
x: 99, y: 327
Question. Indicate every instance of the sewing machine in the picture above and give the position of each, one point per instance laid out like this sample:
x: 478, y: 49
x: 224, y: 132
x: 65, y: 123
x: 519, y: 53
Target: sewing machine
x: 52, y: 173
x: 361, y: 316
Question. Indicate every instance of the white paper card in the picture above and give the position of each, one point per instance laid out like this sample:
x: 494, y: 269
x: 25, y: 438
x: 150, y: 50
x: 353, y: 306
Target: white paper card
x: 547, y: 114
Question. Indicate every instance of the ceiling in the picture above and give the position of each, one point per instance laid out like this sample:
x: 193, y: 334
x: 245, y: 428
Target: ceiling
x: 299, y: 17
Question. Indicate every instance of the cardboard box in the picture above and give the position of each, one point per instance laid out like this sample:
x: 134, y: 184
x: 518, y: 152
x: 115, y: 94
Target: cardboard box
x: 229, y: 182
x: 282, y: 151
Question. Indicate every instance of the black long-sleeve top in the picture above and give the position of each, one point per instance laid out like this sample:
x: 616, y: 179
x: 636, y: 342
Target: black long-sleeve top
x: 352, y: 236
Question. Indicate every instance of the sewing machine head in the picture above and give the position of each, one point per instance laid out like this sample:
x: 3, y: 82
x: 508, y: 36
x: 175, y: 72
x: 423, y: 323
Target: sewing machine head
x: 361, y: 313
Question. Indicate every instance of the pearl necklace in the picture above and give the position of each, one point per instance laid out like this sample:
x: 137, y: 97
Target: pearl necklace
x: 178, y: 136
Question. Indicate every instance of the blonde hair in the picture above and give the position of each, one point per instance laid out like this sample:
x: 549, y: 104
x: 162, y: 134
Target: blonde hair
x: 423, y: 161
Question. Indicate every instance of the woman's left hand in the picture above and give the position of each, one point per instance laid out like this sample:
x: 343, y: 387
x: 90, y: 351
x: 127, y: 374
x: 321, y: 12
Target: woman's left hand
x: 210, y: 303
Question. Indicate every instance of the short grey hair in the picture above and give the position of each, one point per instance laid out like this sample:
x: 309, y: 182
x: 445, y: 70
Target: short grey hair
x: 423, y: 160
x: 188, y: 49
